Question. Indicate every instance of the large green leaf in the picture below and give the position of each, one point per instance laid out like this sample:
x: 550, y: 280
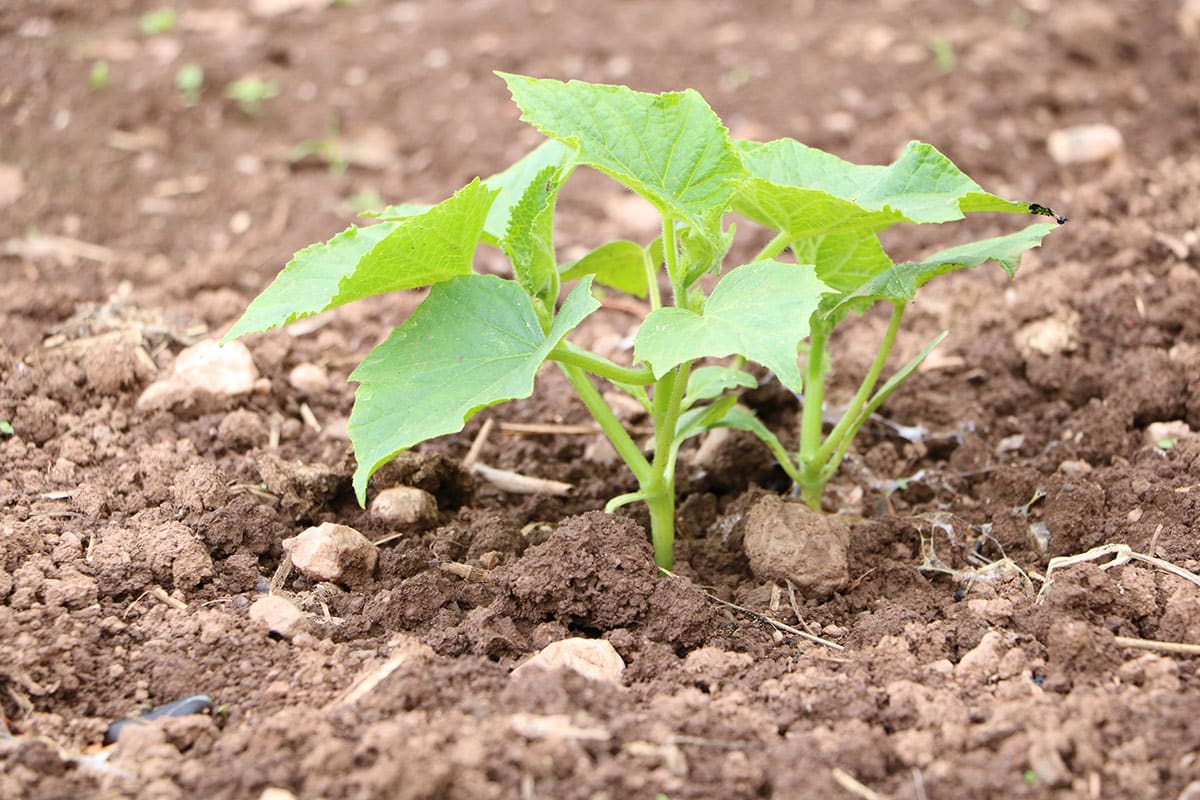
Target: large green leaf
x: 900, y: 283
x: 514, y: 182
x: 670, y: 148
x: 417, y: 250
x: 474, y: 342
x: 760, y: 311
x: 922, y: 185
x: 620, y: 264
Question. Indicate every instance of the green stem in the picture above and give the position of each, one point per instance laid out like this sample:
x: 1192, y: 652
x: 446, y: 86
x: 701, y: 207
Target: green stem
x: 616, y: 433
x: 811, y: 419
x: 623, y: 500
x: 659, y: 489
x: 671, y: 256
x: 845, y: 425
x: 652, y: 283
x: 566, y: 353
x: 773, y: 248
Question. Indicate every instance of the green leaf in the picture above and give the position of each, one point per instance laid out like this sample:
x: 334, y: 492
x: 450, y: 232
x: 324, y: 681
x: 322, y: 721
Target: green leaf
x: 844, y: 261
x: 922, y: 185
x: 529, y: 240
x: 513, y: 183
x: 670, y: 148
x: 900, y: 283
x: 6, y: 428
x: 360, y: 262
x: 696, y: 421
x: 620, y: 264
x: 713, y: 381
x: 395, y: 213
x: 474, y: 342
x: 743, y: 419
x: 760, y: 311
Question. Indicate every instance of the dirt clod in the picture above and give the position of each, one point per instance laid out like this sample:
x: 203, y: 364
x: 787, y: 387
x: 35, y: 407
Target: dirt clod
x: 787, y: 541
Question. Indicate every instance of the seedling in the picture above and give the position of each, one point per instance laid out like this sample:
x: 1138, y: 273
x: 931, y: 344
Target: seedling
x: 478, y: 340
x: 157, y: 22
x: 189, y: 80
x: 250, y: 93
x: 6, y: 428
x: 100, y: 76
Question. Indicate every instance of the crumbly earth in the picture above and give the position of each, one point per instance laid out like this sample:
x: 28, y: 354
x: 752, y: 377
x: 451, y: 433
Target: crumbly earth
x: 133, y: 541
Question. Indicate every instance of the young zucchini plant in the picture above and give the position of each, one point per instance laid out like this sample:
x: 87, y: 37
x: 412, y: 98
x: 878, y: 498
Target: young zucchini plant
x: 478, y: 340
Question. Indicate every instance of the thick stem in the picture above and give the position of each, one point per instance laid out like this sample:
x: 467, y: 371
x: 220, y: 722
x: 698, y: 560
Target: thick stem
x: 616, y: 433
x: 659, y: 490
x: 774, y: 247
x: 812, y: 418
x: 566, y: 353
x: 845, y: 425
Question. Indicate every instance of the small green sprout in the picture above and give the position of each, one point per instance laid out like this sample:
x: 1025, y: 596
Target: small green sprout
x: 155, y: 23
x: 943, y: 53
x: 250, y: 92
x: 327, y: 148
x: 100, y: 76
x: 189, y: 81
x: 6, y: 428
x: 478, y: 340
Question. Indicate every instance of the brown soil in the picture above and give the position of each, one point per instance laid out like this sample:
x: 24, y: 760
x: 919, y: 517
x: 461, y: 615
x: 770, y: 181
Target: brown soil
x: 132, y: 543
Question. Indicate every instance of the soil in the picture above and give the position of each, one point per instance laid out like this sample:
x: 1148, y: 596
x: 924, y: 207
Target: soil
x: 133, y: 541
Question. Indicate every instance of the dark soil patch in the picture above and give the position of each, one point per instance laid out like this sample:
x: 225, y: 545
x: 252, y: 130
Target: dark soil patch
x: 133, y: 541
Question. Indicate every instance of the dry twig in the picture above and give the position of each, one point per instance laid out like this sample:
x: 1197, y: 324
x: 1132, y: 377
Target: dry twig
x: 854, y: 786
x: 780, y: 626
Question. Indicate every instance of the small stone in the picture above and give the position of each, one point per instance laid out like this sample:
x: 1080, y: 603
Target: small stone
x: 278, y: 615
x: 1085, y: 144
x: 204, y: 376
x: 309, y: 379
x: 404, y: 505
x: 594, y: 659
x: 275, y: 8
x: 556, y: 727
x: 791, y: 542
x: 332, y: 552
x: 1049, y: 336
x: 983, y: 660
x: 1189, y: 26
x: 1160, y: 434
x: 1074, y: 469
x: 12, y: 184
x: 242, y: 429
x: 275, y: 793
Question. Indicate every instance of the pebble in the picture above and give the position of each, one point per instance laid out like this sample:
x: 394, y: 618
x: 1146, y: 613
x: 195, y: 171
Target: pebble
x: 332, y: 552
x: 203, y: 374
x: 1049, y: 336
x: 790, y: 541
x: 405, y: 505
x: 1159, y: 432
x: 278, y: 614
x: 1189, y: 25
x: 12, y: 184
x: 983, y: 660
x: 309, y: 379
x: 1085, y: 144
x: 594, y: 659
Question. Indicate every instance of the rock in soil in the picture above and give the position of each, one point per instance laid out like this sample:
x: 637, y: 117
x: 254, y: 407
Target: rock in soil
x: 788, y: 541
x: 332, y: 552
x: 278, y: 614
x: 592, y: 658
x: 205, y: 377
x: 405, y: 506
